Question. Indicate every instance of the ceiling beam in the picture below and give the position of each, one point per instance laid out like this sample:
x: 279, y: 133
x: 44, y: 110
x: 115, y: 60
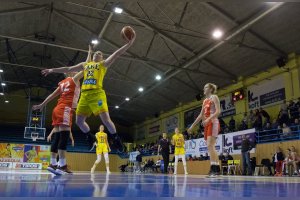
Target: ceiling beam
x: 232, y: 20
x: 21, y: 10
x: 168, y: 38
x: 248, y: 23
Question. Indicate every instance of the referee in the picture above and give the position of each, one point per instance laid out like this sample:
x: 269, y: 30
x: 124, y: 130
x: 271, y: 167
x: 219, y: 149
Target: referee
x: 165, y: 148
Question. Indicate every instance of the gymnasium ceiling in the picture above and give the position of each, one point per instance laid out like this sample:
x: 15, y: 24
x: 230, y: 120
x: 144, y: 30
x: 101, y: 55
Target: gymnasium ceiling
x: 173, y: 40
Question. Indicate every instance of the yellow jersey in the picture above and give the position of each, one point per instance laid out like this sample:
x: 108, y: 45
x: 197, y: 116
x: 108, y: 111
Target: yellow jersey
x: 101, y: 138
x: 94, y: 73
x: 178, y: 140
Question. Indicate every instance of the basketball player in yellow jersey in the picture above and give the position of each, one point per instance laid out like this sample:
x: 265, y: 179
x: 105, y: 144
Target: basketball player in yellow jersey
x: 178, y: 142
x: 93, y: 98
x: 102, y: 148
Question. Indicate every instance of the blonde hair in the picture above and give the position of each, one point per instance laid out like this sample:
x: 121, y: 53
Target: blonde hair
x: 213, y: 87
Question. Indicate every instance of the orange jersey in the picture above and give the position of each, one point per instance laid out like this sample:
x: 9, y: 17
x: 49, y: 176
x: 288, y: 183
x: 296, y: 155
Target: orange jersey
x: 69, y: 92
x: 209, y: 107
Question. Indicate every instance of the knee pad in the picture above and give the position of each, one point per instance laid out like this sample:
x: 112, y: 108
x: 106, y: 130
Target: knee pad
x: 63, y: 140
x: 55, y: 141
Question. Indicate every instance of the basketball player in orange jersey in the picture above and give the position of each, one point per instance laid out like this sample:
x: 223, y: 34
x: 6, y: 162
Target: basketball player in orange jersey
x: 93, y: 97
x: 209, y: 117
x: 69, y: 91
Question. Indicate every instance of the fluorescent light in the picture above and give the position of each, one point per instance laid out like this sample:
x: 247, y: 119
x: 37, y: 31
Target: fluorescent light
x: 158, y: 77
x: 1, y: 70
x: 3, y: 84
x: 95, y: 41
x: 217, y: 34
x: 118, y: 10
x: 141, y: 89
x: 127, y: 99
x: 6, y: 101
x: 117, y: 107
x: 1, y: 93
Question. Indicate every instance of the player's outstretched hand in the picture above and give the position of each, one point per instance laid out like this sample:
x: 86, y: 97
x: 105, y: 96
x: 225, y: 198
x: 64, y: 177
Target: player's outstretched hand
x: 37, y: 107
x: 45, y: 72
x: 49, y: 138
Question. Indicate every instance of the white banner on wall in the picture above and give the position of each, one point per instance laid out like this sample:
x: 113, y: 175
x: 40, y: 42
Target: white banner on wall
x: 20, y: 165
x: 171, y: 123
x: 197, y: 147
x: 266, y: 93
x: 232, y: 141
x: 227, y: 106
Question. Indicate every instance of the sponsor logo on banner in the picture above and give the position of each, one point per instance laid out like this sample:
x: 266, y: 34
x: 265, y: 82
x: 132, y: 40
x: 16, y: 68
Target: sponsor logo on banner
x: 196, y: 147
x: 266, y: 93
x: 27, y: 165
x: 171, y: 123
x: 6, y: 165
x: 227, y: 106
x: 232, y: 141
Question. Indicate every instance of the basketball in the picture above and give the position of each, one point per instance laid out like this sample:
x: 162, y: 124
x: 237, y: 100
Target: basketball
x: 127, y: 33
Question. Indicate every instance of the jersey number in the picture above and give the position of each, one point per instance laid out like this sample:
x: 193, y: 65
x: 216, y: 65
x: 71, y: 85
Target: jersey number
x: 90, y: 73
x: 64, y: 87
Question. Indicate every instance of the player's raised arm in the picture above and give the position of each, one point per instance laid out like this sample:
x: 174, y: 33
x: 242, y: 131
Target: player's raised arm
x: 119, y: 52
x: 47, y: 100
x: 74, y: 68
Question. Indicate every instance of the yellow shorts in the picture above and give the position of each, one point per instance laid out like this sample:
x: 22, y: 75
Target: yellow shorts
x: 92, y: 101
x: 179, y: 151
x: 101, y: 149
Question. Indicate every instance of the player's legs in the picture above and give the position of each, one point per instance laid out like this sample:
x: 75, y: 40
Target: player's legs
x: 62, y: 147
x: 96, y: 163
x: 106, y: 158
x: 176, y: 164
x: 54, y: 148
x: 184, y: 163
x: 112, y: 130
x: 214, y: 160
x: 84, y: 127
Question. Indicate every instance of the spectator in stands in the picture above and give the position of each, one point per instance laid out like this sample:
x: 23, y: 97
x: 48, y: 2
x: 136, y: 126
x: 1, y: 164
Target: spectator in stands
x: 149, y: 165
x: 190, y: 158
x: 286, y: 131
x: 244, y: 124
x: 267, y: 127
x: 284, y: 115
x: 298, y: 103
x: 232, y: 124
x: 195, y: 158
x: 206, y: 157
x: 221, y: 156
x: 222, y: 125
x: 278, y: 158
x: 201, y: 158
x: 293, y: 109
x: 295, y: 159
x: 246, y: 148
x: 252, y: 118
x: 265, y: 115
x: 258, y: 120
x: 275, y: 124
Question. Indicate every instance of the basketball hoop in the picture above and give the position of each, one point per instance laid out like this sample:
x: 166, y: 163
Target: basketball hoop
x: 34, y: 138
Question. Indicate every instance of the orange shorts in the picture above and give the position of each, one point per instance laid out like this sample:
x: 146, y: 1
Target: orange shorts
x: 62, y: 115
x: 212, y: 129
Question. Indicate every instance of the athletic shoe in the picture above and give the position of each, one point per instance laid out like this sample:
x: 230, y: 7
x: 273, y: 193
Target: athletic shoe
x: 108, y: 172
x: 63, y: 170
x: 213, y: 171
x: 186, y: 173
x: 52, y: 168
x: 118, y: 143
x: 175, y: 173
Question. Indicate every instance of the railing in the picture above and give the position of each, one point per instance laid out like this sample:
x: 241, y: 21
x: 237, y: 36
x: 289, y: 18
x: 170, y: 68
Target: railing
x: 275, y: 135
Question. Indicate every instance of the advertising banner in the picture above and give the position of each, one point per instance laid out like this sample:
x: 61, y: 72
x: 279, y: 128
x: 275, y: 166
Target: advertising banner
x: 171, y: 123
x: 18, y: 165
x: 5, y: 165
x: 227, y: 106
x: 133, y: 155
x: 11, y: 152
x: 155, y: 127
x: 266, y: 93
x: 232, y: 141
x: 190, y: 116
x: 197, y: 147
